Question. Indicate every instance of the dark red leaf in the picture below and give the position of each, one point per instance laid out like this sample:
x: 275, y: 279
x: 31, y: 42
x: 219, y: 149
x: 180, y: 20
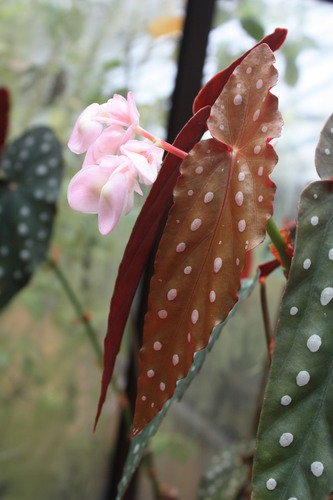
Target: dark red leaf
x: 210, y: 92
x: 140, y: 244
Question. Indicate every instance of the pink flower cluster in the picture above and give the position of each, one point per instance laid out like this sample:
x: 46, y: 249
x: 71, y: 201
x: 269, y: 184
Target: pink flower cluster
x: 115, y: 162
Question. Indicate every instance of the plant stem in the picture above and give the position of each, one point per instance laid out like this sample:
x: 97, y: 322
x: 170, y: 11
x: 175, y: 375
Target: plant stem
x: 162, y: 144
x: 279, y: 243
x: 265, y: 314
x: 78, y: 308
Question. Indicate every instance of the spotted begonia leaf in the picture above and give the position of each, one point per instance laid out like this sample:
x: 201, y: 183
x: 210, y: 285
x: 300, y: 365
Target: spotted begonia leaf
x: 294, y: 457
x: 31, y: 170
x: 228, y: 473
x: 210, y: 92
x: 140, y: 441
x: 222, y: 202
x: 324, y: 151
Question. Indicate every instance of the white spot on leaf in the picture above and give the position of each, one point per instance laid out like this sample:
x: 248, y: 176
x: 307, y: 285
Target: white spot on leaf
x: 188, y: 270
x: 162, y: 314
x: 172, y: 294
x: 217, y: 264
x: 180, y: 247
x: 271, y: 484
x: 307, y: 263
x: 196, y: 224
x: 256, y: 115
x: 208, y: 197
x: 286, y: 439
x: 199, y: 170
x: 150, y: 373
x: 314, y: 220
x: 314, y: 343
x: 317, y: 468
x: 157, y: 346
x: 239, y: 198
x: 286, y: 400
x: 293, y: 311
x: 303, y: 378
x: 241, y: 225
x: 259, y: 84
x: 212, y: 296
x: 194, y: 316
x: 238, y: 100
x: 175, y: 359
x: 326, y: 296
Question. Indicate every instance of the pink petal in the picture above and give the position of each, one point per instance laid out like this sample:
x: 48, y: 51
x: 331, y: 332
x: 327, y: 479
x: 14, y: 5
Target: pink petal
x: 84, y: 189
x: 133, y: 110
x: 133, y: 149
x: 112, y: 203
x: 86, y: 129
x: 107, y: 143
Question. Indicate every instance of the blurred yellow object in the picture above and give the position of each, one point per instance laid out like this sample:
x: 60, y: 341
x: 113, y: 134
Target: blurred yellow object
x: 166, y: 25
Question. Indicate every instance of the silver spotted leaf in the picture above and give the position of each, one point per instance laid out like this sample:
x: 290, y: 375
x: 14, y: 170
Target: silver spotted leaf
x: 294, y: 456
x: 30, y: 178
x: 324, y: 151
x: 140, y: 441
x: 228, y: 473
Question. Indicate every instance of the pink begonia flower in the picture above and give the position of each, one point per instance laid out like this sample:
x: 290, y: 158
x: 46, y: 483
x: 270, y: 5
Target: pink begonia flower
x: 106, y: 189
x: 114, y: 161
x: 121, y: 111
x: 108, y: 143
x: 86, y: 130
x: 146, y: 158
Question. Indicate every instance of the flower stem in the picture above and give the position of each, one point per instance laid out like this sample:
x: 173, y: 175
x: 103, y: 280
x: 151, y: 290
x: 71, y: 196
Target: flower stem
x: 265, y: 314
x: 279, y: 243
x: 78, y: 308
x: 161, y: 143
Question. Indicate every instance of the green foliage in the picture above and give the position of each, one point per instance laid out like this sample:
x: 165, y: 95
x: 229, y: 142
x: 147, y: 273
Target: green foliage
x: 140, y: 442
x: 324, y: 151
x: 29, y: 187
x: 253, y: 27
x: 294, y: 456
x: 227, y: 474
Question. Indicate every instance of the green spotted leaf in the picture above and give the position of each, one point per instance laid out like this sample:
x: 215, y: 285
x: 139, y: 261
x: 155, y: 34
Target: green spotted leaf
x: 30, y: 178
x: 228, y: 473
x: 324, y: 151
x: 294, y: 457
x: 140, y: 441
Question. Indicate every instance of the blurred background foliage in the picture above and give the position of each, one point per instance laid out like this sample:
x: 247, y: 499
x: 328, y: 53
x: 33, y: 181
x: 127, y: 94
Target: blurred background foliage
x: 56, y: 57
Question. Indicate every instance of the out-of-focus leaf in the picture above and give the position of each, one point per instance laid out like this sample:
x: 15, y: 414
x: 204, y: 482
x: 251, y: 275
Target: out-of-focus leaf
x: 114, y: 63
x: 253, y: 27
x: 140, y: 244
x: 294, y: 457
x: 140, y: 442
x: 324, y: 151
x: 167, y: 25
x: 213, y: 88
x: 291, y: 74
x: 29, y: 187
x: 222, y: 202
x: 227, y: 473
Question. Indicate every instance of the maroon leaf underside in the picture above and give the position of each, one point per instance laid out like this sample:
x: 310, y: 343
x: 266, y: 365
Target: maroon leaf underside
x: 141, y: 243
x: 222, y: 202
x: 213, y: 88
x: 4, y: 116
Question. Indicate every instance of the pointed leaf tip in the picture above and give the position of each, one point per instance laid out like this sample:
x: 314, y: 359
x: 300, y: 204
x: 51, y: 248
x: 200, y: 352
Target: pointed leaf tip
x: 222, y: 202
x: 324, y: 151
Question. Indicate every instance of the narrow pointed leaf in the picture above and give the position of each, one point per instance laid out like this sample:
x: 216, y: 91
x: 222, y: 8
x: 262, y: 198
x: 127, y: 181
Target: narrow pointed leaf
x: 140, y: 244
x: 210, y: 92
x: 294, y: 457
x: 324, y: 151
x: 29, y: 187
x: 222, y: 202
x: 140, y: 441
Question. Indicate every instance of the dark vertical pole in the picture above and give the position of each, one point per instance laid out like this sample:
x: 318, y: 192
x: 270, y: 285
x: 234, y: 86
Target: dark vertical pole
x: 199, y: 15
x: 198, y: 21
